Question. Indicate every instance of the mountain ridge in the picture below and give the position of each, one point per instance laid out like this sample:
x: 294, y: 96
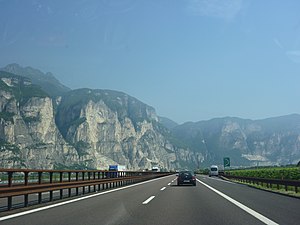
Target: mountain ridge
x: 91, y: 128
x: 46, y: 80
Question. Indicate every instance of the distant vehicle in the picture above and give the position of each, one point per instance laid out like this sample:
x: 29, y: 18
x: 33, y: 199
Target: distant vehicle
x: 214, y: 171
x: 186, y: 177
x: 155, y: 169
x: 115, y: 168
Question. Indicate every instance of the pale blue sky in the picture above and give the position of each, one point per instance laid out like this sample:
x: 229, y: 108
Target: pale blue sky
x: 190, y: 59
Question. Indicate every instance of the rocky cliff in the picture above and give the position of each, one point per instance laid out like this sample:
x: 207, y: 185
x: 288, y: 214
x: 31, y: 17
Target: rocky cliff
x: 108, y: 125
x: 29, y: 137
x: 274, y: 141
x: 82, y: 129
x: 87, y: 128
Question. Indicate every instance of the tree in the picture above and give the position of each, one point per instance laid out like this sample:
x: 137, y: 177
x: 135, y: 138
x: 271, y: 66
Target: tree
x: 298, y: 164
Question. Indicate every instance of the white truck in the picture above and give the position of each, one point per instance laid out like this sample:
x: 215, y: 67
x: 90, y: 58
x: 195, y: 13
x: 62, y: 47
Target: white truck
x: 117, y: 168
x: 114, y: 169
x: 214, y: 171
x: 155, y: 169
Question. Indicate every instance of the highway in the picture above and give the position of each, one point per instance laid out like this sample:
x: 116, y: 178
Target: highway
x: 213, y: 201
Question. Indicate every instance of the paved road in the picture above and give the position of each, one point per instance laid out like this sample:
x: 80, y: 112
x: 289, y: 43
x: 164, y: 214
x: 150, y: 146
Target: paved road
x: 213, y: 201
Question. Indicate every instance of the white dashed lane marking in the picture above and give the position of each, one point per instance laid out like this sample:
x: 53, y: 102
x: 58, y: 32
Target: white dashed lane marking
x: 148, y: 200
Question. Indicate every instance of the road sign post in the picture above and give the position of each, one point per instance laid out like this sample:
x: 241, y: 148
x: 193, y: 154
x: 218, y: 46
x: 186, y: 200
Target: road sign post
x: 226, y: 161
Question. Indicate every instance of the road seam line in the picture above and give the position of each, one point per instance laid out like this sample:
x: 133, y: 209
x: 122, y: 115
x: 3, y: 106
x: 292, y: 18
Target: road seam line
x: 148, y: 200
x: 241, y: 206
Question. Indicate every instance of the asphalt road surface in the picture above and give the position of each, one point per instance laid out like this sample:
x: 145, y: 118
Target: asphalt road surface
x: 213, y: 201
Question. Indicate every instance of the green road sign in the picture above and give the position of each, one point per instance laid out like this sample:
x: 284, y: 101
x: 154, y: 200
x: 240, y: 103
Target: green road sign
x: 226, y: 161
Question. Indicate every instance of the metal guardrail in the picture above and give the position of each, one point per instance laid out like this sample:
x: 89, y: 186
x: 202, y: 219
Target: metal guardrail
x: 24, y: 182
x: 268, y: 182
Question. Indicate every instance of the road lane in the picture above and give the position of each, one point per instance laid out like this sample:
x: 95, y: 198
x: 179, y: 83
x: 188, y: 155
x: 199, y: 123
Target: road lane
x: 282, y: 209
x: 111, y: 208
x: 191, y: 205
x: 172, y: 204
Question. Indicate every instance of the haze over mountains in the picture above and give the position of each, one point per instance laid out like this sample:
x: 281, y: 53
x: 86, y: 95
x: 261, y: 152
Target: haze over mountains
x: 44, y: 124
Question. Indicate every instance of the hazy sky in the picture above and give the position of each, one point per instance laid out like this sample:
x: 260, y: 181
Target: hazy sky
x: 190, y: 59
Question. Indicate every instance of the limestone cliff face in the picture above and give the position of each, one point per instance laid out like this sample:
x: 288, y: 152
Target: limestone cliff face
x: 87, y: 128
x: 111, y: 127
x: 82, y: 129
x: 29, y: 137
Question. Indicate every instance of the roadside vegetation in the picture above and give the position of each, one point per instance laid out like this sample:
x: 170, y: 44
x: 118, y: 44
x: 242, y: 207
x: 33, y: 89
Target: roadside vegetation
x: 282, y: 173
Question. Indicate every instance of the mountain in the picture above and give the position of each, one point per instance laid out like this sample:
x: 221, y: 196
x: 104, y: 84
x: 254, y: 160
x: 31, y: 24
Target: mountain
x: 83, y: 128
x: 29, y: 137
x: 247, y: 142
x: 45, y: 80
x: 168, y: 123
x: 88, y: 128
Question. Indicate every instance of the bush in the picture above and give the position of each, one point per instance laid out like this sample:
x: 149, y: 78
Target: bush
x: 286, y: 173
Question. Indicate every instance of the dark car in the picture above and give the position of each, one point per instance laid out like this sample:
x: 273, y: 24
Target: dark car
x: 186, y: 177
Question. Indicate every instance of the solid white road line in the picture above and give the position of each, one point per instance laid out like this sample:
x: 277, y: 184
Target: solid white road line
x: 148, y: 200
x: 240, y: 205
x: 163, y: 188
x: 75, y: 200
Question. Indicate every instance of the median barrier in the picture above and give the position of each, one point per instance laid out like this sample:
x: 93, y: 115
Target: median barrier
x: 25, y: 182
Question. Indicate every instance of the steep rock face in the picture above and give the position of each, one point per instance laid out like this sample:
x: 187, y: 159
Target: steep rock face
x: 29, y: 137
x: 94, y: 128
x: 112, y: 125
x: 88, y: 129
x: 246, y: 142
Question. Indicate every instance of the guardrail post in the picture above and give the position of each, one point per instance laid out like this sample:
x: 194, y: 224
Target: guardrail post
x: 40, y: 197
x: 26, y: 178
x: 10, y: 179
x: 94, y: 176
x: 77, y: 180
x: 51, y: 181
x: 40, y: 177
x: 9, y: 202
x: 61, y: 180
x: 99, y: 179
x: 89, y: 178
x: 26, y: 200
x: 26, y: 184
x: 69, y: 178
x: 40, y: 181
x: 83, y: 188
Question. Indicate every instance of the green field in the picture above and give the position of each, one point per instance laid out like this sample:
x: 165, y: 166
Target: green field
x: 285, y: 173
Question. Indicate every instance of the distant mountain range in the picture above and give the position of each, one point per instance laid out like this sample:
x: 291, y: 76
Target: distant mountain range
x: 246, y: 142
x: 44, y: 124
x: 46, y: 81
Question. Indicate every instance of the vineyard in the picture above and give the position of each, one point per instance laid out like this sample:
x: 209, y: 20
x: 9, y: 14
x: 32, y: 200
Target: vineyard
x: 284, y: 173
